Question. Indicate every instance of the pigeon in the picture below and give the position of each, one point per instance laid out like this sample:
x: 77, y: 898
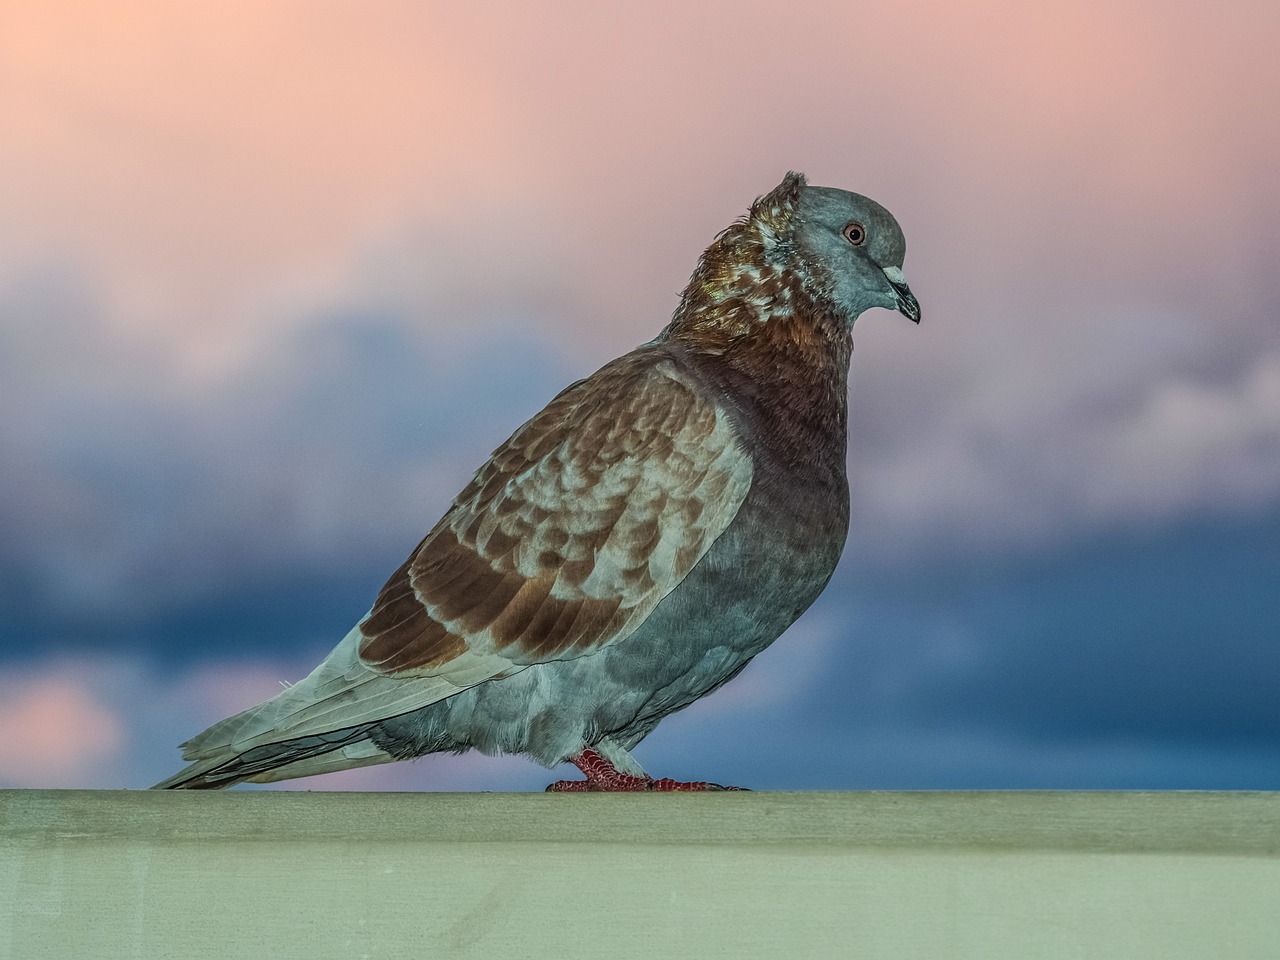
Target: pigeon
x: 631, y: 547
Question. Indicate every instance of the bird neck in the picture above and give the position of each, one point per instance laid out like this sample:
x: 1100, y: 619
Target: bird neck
x: 783, y: 361
x: 749, y: 320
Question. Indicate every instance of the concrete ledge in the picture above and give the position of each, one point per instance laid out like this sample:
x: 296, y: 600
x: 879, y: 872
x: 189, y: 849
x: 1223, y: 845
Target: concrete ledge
x: 90, y: 874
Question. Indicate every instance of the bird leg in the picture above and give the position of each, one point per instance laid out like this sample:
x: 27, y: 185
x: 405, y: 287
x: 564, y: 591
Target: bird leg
x: 604, y: 777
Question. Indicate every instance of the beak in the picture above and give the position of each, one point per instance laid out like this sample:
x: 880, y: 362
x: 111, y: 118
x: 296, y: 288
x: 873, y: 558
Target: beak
x: 908, y: 305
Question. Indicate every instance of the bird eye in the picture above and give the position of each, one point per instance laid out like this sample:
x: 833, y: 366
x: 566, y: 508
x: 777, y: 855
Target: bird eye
x: 855, y: 233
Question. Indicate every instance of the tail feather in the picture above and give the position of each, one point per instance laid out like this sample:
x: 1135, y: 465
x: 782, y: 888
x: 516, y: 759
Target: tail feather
x: 321, y: 722
x: 362, y: 753
x: 340, y: 693
x: 317, y: 753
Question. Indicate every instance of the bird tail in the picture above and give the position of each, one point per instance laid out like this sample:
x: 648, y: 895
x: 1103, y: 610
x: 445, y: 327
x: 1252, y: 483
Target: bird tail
x: 300, y: 757
x: 319, y: 724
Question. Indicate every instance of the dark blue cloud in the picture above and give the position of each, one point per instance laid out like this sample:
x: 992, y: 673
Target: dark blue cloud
x: 1155, y: 635
x: 267, y: 507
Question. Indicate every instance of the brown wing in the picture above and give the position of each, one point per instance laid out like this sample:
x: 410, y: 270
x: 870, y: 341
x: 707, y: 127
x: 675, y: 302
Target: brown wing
x: 571, y: 534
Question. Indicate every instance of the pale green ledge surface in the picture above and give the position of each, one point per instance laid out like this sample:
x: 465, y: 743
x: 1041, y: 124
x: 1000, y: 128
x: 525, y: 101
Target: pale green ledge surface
x: 90, y: 874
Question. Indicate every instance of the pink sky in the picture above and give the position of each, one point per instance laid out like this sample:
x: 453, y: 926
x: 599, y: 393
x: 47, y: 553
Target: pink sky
x: 206, y: 164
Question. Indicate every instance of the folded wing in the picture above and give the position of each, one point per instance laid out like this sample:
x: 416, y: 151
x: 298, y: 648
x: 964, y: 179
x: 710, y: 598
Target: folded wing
x: 563, y: 542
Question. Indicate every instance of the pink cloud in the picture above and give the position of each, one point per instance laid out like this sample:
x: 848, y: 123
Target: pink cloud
x: 54, y: 733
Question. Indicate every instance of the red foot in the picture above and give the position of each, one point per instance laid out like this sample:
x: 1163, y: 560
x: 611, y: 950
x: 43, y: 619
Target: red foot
x: 603, y: 777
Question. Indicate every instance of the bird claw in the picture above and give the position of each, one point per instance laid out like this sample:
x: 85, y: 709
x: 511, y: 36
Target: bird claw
x: 665, y: 785
x: 603, y: 777
x: 569, y: 786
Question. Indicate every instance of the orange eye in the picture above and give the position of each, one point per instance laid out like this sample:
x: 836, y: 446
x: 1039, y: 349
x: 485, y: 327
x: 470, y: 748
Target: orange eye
x: 854, y: 232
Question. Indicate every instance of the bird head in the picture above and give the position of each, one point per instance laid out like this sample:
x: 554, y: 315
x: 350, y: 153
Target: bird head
x: 848, y: 248
x: 839, y: 250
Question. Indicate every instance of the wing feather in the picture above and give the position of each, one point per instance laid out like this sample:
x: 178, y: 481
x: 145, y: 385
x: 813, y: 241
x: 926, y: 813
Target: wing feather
x: 574, y: 531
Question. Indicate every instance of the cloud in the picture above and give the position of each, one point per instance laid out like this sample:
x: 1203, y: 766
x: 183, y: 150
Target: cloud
x: 131, y: 490
x: 53, y: 731
x: 896, y: 757
x: 1026, y: 455
x: 1162, y: 637
x: 1189, y: 446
